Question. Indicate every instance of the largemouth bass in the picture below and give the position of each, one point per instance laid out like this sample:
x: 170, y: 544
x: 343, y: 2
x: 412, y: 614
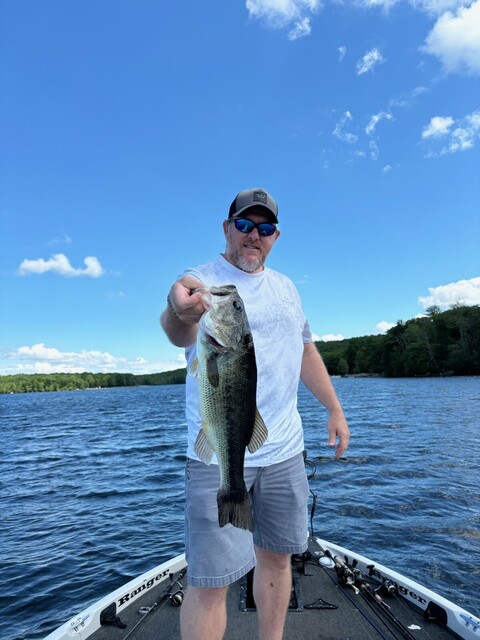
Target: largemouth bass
x: 227, y: 375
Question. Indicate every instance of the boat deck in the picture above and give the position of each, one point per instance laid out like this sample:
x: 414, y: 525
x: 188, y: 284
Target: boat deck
x: 353, y: 618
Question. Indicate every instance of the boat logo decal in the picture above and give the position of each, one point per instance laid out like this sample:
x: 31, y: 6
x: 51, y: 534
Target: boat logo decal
x: 470, y: 620
x: 143, y: 587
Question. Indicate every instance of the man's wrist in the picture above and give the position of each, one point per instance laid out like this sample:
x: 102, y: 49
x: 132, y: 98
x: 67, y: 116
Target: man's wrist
x: 171, y: 307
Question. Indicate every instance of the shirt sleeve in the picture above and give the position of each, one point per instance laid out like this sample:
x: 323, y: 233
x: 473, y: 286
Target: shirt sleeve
x: 307, y: 334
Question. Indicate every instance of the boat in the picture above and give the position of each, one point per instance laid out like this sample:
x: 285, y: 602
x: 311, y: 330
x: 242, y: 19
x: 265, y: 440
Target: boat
x: 336, y: 594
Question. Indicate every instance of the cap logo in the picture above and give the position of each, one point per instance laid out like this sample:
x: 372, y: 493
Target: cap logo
x: 260, y: 196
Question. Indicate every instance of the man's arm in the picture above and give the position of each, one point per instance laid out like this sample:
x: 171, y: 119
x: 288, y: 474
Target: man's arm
x: 184, y: 309
x: 315, y: 376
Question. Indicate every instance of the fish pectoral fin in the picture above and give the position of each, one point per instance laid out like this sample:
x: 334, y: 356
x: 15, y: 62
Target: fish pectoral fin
x: 203, y: 448
x: 259, y: 435
x: 212, y: 370
x: 193, y: 370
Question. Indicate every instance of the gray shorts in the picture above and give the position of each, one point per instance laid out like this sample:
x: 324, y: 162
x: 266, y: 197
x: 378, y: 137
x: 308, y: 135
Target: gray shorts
x: 218, y: 556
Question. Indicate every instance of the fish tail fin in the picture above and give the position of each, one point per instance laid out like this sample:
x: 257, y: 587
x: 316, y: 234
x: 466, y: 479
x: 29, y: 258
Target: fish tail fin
x: 234, y: 508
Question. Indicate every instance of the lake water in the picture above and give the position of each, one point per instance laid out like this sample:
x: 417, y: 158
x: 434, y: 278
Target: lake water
x: 91, y: 491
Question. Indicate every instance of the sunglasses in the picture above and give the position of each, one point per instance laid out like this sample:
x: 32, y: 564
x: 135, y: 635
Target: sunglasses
x: 247, y: 226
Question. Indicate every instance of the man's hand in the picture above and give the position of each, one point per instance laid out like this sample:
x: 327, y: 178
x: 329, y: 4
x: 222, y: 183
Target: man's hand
x: 188, y: 306
x: 184, y: 310
x: 338, y: 428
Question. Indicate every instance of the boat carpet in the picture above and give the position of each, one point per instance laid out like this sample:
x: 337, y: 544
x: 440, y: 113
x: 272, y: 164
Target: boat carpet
x: 348, y: 621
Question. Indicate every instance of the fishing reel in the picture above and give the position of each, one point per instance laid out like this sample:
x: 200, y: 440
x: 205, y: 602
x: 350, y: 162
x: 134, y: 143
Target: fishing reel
x: 176, y: 598
x: 347, y: 576
x: 387, y: 588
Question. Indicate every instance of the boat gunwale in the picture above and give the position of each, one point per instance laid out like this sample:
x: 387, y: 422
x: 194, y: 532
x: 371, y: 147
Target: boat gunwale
x: 459, y: 620
x: 85, y: 623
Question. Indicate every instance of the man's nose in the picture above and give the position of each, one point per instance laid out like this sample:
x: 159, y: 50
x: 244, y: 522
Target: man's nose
x: 254, y: 233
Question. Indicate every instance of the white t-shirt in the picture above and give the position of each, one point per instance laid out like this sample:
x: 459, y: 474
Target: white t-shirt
x: 279, y: 330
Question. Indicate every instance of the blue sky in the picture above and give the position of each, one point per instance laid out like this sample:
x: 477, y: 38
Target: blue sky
x: 128, y: 127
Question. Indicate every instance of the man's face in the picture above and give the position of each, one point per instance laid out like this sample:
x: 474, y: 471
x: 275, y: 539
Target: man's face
x: 248, y: 251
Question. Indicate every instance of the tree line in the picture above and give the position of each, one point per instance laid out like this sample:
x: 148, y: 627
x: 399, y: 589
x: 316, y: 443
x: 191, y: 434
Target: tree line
x: 22, y: 383
x: 441, y: 343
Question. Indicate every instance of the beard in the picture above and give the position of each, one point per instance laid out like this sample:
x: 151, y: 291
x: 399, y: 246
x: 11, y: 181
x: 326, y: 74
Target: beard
x: 247, y: 265
x: 238, y: 260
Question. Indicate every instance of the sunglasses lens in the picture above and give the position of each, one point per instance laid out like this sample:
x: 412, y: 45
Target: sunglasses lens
x: 266, y: 229
x: 245, y: 226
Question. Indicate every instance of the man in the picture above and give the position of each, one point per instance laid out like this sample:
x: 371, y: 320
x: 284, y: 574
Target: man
x: 274, y: 474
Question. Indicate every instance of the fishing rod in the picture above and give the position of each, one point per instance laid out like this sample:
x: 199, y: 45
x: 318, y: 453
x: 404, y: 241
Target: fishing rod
x: 175, y: 598
x: 348, y: 582
x: 352, y: 578
x: 372, y: 597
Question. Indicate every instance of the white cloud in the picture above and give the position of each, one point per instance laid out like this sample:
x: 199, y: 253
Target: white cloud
x: 279, y: 14
x: 374, y: 152
x: 60, y: 240
x: 375, y: 119
x: 383, y: 4
x: 339, y: 130
x: 341, y: 53
x: 300, y: 29
x: 434, y: 7
x: 455, y: 39
x: 438, y: 126
x: 387, y: 168
x: 406, y: 99
x: 452, y: 135
x: 465, y: 292
x: 383, y: 326
x: 331, y: 337
x: 39, y: 358
x: 369, y: 61
x: 60, y: 264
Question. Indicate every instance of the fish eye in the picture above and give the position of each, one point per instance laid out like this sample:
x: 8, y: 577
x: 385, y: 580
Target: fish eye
x: 237, y: 305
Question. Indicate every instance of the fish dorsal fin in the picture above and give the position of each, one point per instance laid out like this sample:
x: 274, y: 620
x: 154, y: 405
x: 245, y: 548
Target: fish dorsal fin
x: 193, y: 370
x: 259, y: 435
x: 212, y: 370
x: 203, y: 448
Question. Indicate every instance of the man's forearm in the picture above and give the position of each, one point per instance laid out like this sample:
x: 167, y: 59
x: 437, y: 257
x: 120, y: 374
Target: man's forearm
x: 179, y: 333
x: 315, y: 377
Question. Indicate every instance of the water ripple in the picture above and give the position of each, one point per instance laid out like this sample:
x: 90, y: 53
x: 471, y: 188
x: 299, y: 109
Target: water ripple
x: 91, y: 489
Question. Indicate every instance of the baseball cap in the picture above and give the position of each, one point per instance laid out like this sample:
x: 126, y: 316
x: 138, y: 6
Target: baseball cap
x: 254, y: 199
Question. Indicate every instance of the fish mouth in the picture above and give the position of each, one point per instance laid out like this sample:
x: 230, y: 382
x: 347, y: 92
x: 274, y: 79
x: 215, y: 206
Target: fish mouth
x: 215, y: 343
